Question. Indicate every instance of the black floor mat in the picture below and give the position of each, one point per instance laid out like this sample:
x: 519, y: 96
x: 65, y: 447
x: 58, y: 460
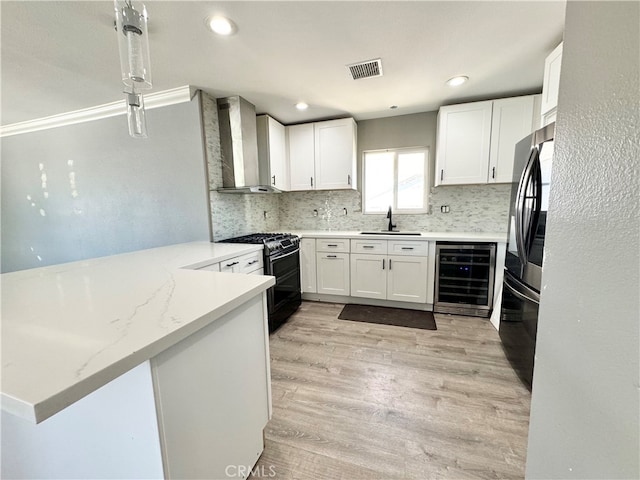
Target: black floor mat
x: 389, y: 316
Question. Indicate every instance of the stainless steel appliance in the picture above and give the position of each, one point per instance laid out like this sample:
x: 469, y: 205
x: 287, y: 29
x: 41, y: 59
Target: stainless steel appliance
x: 241, y: 171
x: 523, y: 263
x: 282, y: 260
x: 465, y: 275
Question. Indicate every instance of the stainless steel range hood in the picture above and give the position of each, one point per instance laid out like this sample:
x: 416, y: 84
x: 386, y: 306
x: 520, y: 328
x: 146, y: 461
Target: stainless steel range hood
x: 239, y: 145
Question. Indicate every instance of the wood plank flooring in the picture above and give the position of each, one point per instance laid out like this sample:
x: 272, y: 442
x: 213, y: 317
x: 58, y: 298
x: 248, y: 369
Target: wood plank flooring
x: 353, y: 400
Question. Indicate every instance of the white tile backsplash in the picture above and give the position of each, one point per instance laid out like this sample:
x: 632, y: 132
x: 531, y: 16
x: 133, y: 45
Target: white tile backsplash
x: 472, y: 208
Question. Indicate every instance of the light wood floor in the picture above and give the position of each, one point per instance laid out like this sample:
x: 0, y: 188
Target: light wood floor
x: 356, y: 400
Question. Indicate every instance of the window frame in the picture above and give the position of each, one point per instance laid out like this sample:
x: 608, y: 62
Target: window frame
x: 396, y: 152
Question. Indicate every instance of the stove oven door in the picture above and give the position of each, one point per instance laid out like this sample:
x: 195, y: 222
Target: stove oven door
x: 285, y: 296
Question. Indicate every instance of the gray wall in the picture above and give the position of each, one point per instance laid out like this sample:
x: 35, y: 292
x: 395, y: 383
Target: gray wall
x: 477, y: 208
x: 90, y: 190
x: 585, y: 408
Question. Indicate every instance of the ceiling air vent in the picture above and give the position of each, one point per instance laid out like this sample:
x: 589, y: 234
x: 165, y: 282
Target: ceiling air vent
x: 370, y: 68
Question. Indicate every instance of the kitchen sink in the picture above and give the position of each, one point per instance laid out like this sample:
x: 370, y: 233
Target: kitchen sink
x: 387, y: 232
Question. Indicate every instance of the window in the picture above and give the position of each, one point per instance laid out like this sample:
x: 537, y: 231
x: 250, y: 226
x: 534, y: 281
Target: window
x: 396, y: 178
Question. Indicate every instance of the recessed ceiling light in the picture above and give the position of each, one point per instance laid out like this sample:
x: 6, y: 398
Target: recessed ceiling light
x: 301, y: 106
x: 455, y: 81
x: 221, y: 25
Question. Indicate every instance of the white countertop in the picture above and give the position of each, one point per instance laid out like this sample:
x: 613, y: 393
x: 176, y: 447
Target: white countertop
x: 69, y: 329
x: 432, y: 236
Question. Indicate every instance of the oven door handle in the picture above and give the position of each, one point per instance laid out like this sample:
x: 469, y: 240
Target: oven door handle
x: 272, y: 259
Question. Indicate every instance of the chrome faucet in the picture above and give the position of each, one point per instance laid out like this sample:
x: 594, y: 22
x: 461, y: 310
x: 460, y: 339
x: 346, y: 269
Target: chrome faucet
x: 390, y: 217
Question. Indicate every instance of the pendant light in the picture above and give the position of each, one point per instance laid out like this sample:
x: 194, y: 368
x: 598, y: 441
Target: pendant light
x: 133, y: 43
x: 135, y: 114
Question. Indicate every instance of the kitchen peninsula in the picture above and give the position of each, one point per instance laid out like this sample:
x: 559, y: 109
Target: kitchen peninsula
x: 136, y: 365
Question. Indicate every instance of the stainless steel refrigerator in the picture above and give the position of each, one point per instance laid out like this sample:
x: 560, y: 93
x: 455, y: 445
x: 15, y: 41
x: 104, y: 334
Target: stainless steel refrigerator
x: 525, y: 248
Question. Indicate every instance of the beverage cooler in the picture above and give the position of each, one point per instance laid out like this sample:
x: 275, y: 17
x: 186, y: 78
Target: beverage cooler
x: 464, y: 278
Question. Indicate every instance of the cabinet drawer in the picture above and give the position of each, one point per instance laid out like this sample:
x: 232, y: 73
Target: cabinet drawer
x: 369, y: 246
x: 406, y: 247
x: 250, y: 262
x: 332, y: 245
x: 230, y: 265
x: 243, y: 263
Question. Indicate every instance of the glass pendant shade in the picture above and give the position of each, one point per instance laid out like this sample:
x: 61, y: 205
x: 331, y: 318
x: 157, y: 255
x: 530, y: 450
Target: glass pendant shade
x: 133, y: 42
x: 135, y: 115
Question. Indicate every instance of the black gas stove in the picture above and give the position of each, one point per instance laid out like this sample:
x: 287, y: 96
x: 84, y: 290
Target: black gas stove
x: 282, y: 260
x: 276, y: 244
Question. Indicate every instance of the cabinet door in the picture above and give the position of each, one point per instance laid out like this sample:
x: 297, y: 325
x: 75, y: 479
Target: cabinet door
x: 551, y: 81
x: 368, y: 276
x: 512, y: 120
x: 335, y: 154
x: 278, y: 155
x: 308, y: 265
x: 407, y: 279
x: 301, y: 156
x: 333, y: 273
x: 464, y: 133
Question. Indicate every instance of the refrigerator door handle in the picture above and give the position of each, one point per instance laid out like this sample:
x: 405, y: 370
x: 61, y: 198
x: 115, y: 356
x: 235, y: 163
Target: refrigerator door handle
x: 520, y: 289
x: 520, y: 199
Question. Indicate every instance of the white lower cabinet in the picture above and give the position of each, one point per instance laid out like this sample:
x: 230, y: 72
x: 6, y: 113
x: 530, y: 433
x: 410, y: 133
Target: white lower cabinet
x: 395, y: 270
x: 248, y: 263
x: 395, y: 277
x: 407, y: 279
x: 368, y: 276
x: 401, y: 277
x: 308, y: 282
x: 332, y: 273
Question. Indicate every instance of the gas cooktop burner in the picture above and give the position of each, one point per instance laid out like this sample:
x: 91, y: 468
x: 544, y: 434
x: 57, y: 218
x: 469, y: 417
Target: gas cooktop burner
x: 274, y: 243
x: 259, y: 238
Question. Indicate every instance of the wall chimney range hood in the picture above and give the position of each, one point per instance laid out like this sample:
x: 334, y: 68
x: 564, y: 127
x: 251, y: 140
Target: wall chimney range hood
x: 239, y: 148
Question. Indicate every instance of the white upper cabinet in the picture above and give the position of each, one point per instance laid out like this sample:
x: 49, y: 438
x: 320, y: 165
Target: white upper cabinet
x: 335, y: 148
x: 476, y: 141
x: 551, y: 85
x: 272, y: 152
x: 322, y: 155
x: 512, y: 120
x: 301, y: 156
x: 464, y: 135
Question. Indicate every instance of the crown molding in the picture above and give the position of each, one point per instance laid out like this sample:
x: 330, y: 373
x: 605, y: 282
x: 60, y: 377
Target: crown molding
x: 151, y: 100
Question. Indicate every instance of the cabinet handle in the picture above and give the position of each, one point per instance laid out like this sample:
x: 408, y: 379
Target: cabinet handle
x: 332, y: 245
x: 407, y: 248
x: 311, y: 181
x: 367, y: 246
x: 441, y: 175
x: 348, y: 179
x: 252, y: 262
x: 389, y: 264
x: 383, y: 263
x: 273, y: 180
x: 232, y: 264
x: 332, y: 256
x: 493, y: 172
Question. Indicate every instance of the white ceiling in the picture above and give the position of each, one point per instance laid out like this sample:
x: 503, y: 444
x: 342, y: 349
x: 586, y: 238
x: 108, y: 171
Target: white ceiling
x: 63, y: 56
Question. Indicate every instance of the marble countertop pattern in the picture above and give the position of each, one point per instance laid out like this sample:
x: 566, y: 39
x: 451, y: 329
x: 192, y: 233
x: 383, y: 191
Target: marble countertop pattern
x: 432, y: 236
x: 69, y: 329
